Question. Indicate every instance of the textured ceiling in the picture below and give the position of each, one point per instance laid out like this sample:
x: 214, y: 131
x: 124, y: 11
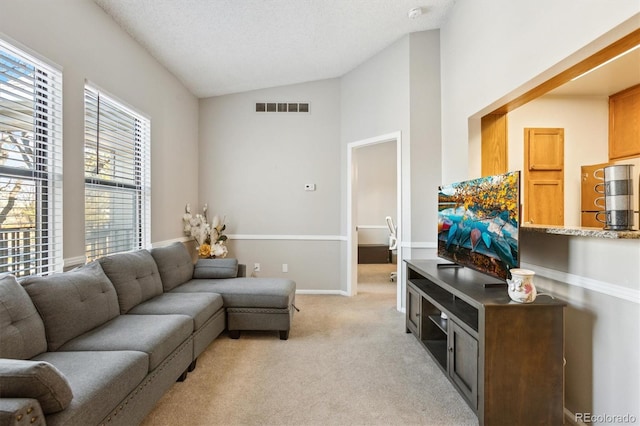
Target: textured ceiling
x: 217, y: 47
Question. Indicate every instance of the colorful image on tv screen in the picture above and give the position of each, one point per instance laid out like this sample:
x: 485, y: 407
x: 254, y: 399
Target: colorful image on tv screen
x: 478, y: 223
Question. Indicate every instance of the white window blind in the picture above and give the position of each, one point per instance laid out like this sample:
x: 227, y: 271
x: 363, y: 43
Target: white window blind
x: 30, y: 164
x: 117, y: 178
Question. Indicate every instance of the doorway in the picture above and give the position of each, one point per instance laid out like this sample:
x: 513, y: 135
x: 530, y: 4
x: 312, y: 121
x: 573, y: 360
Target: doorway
x: 378, y: 224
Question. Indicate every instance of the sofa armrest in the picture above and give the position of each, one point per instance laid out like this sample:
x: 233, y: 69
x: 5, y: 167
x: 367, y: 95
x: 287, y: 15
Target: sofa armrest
x: 242, y: 270
x: 21, y: 411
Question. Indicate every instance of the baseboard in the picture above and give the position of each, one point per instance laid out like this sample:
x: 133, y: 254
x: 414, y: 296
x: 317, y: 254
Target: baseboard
x: 323, y: 292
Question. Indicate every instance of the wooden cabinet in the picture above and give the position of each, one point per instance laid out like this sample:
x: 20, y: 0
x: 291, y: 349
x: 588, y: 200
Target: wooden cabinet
x: 413, y: 311
x: 463, y: 362
x: 505, y: 358
x: 624, y: 124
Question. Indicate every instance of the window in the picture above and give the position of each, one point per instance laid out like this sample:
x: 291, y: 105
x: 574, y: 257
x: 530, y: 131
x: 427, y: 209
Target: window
x: 116, y: 173
x: 30, y: 164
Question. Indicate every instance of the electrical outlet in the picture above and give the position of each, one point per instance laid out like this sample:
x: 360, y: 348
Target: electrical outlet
x: 285, y: 267
x: 256, y: 267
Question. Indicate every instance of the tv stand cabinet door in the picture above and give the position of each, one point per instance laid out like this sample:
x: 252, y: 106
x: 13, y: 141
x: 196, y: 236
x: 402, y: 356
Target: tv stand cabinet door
x: 414, y: 303
x: 463, y: 362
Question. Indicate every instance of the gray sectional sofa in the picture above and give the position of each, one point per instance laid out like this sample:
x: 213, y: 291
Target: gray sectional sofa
x: 102, y: 343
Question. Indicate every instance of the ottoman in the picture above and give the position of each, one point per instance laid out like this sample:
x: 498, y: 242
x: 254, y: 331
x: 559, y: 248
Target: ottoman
x: 251, y: 303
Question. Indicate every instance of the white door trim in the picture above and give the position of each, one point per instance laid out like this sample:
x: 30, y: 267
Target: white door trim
x: 352, y: 257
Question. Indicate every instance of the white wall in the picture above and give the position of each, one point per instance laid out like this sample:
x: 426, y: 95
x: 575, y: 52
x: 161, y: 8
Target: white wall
x: 399, y: 90
x: 486, y: 62
x: 253, y: 168
x: 426, y: 164
x: 374, y: 102
x: 376, y: 169
x: 88, y: 45
x: 585, y: 121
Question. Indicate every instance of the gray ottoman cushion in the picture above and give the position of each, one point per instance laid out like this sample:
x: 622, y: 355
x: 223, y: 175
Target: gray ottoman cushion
x: 99, y: 381
x: 246, y: 292
x: 134, y: 275
x: 174, y: 264
x: 156, y: 335
x: 198, y: 306
x: 35, y: 379
x: 21, y: 328
x: 73, y: 302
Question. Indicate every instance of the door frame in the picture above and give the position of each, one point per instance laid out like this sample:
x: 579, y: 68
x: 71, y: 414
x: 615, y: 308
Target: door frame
x: 352, y: 248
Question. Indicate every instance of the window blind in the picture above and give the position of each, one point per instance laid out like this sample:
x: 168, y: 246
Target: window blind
x: 117, y: 178
x: 30, y: 164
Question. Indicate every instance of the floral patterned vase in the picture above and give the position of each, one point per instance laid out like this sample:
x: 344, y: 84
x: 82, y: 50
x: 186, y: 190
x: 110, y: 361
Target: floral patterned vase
x: 521, y: 288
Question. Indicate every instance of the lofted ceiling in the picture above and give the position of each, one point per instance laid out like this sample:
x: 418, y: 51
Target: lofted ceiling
x: 217, y: 47
x: 610, y: 78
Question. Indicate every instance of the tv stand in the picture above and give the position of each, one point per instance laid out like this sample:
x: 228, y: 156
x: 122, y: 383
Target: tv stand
x: 505, y: 358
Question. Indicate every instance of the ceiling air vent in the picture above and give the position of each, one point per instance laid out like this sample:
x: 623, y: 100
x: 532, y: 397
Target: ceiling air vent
x: 283, y: 107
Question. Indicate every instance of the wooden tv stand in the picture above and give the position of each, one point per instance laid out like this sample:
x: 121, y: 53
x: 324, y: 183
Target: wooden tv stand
x: 505, y: 358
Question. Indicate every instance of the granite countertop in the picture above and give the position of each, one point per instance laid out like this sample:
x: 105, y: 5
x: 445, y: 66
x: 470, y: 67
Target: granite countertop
x: 580, y: 231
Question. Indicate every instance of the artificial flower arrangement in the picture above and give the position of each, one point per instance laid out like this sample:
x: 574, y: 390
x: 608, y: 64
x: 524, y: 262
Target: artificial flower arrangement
x: 208, y: 236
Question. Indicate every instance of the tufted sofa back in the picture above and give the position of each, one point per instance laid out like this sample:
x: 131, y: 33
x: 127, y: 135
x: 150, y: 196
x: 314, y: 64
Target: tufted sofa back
x: 72, y: 303
x: 174, y: 263
x: 21, y: 328
x: 135, y: 277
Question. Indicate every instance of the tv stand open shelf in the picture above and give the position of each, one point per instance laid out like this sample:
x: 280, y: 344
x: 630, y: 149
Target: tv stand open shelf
x: 505, y: 358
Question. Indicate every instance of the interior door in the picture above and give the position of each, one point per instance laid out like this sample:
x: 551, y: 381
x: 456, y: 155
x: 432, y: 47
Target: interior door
x: 544, y: 176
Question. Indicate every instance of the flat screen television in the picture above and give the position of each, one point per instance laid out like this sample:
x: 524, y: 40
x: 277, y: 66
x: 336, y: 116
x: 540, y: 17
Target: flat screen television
x: 478, y: 223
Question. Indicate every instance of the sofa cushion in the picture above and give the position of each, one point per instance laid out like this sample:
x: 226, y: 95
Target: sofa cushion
x: 246, y: 292
x: 72, y: 303
x: 216, y: 268
x: 200, y: 307
x: 135, y: 277
x: 99, y: 381
x: 155, y: 335
x: 174, y: 263
x: 35, y: 379
x: 21, y: 328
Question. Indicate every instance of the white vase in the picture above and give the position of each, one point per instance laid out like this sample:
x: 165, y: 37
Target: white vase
x: 520, y: 287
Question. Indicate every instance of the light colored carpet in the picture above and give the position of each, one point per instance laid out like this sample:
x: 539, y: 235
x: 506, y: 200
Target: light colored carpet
x: 348, y: 361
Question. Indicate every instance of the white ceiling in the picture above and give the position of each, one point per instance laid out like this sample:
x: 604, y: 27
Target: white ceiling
x: 606, y: 80
x: 217, y: 47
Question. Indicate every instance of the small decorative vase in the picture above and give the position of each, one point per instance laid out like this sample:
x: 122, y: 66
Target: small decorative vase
x: 521, y: 288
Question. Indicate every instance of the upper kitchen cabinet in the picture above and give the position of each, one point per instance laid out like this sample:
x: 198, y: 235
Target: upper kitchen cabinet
x: 624, y: 124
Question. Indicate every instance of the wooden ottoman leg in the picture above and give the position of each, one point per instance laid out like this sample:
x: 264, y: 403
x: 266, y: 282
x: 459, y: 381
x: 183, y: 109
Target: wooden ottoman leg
x: 234, y: 334
x: 284, y: 334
